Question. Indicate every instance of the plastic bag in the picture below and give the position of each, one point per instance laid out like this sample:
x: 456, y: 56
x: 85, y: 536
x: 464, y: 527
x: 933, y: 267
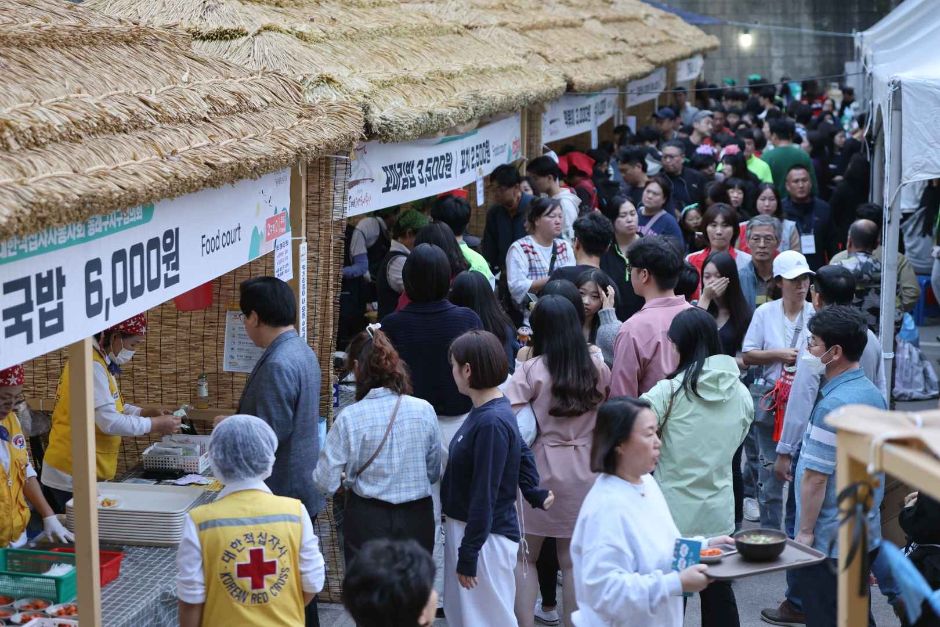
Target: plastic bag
x: 914, y: 376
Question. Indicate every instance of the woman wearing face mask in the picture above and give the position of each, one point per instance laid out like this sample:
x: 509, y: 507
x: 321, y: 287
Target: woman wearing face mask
x: 768, y: 204
x: 18, y: 485
x: 721, y: 229
x: 114, y: 418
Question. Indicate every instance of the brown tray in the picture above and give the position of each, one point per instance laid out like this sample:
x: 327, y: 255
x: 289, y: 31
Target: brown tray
x: 794, y: 555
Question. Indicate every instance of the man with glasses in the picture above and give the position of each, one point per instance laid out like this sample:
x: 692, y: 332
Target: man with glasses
x: 763, y: 237
x: 688, y: 185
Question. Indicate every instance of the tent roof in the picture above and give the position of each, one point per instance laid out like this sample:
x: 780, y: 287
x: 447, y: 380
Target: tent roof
x: 98, y: 115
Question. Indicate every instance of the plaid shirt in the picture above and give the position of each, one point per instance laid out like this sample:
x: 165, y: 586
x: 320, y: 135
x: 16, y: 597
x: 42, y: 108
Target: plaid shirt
x: 409, y: 462
x: 525, y: 253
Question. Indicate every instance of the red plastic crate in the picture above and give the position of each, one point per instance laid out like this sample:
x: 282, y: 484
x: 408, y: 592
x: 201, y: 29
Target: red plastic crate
x: 110, y: 564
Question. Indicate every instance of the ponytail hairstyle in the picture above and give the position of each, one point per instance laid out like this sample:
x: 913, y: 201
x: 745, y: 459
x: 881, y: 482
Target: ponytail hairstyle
x: 376, y: 363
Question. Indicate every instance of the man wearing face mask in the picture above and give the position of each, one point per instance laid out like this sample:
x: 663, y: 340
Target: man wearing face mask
x: 832, y: 285
x: 18, y: 485
x: 114, y: 418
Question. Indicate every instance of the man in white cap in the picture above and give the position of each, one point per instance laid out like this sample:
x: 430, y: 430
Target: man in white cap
x: 777, y: 334
x: 248, y: 558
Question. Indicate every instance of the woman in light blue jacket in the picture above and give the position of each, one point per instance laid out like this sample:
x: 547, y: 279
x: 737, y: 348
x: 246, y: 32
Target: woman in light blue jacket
x: 704, y: 412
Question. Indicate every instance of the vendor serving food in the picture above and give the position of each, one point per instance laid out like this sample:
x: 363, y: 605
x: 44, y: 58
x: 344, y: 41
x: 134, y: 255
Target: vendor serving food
x: 18, y: 485
x: 114, y: 418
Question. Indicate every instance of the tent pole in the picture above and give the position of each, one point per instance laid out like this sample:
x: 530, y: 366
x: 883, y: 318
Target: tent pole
x: 889, y: 257
x: 878, y: 168
x: 84, y: 481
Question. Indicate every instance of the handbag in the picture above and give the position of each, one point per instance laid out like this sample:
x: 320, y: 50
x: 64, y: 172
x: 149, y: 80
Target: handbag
x: 776, y: 399
x: 388, y: 430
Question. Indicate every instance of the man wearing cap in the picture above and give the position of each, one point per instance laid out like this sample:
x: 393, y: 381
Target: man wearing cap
x: 18, y: 485
x: 111, y: 349
x: 389, y: 284
x: 249, y: 557
x: 702, y: 126
x: 665, y: 120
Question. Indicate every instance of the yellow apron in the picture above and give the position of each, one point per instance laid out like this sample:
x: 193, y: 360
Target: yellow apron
x: 14, y: 512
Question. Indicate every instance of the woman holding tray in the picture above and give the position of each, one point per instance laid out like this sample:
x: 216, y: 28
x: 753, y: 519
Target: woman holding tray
x: 623, y: 543
x: 114, y: 418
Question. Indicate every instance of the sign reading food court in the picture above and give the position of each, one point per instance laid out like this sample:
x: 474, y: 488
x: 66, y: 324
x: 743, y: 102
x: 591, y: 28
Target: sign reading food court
x: 66, y: 283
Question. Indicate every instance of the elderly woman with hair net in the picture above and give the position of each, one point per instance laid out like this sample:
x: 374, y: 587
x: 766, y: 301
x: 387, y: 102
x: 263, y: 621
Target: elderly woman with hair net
x: 249, y: 557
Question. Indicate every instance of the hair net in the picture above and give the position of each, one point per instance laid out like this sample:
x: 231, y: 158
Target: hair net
x: 242, y: 448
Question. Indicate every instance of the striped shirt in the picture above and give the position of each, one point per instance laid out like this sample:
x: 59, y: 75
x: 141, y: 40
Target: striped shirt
x: 819, y: 454
x: 409, y: 462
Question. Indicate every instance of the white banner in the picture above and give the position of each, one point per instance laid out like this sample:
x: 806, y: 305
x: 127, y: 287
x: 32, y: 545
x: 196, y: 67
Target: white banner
x: 384, y: 175
x: 573, y: 114
x: 689, y: 69
x: 646, y: 88
x: 67, y: 283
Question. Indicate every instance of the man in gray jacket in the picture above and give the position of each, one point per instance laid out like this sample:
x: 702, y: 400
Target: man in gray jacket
x: 284, y: 391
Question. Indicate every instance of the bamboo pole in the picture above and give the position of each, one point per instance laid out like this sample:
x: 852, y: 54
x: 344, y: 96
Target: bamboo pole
x: 853, y: 608
x: 298, y: 229
x: 84, y: 481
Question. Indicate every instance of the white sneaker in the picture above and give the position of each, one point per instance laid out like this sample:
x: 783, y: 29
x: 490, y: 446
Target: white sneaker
x: 546, y: 617
x: 751, y: 510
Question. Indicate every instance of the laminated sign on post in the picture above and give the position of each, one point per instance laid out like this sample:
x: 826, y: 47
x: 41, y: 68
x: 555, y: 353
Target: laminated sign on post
x: 647, y: 88
x: 66, y: 283
x: 384, y: 175
x: 240, y: 354
x: 573, y: 114
x: 689, y: 69
x: 283, y: 262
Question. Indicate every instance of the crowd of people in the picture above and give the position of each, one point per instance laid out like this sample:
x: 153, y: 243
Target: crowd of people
x: 643, y: 346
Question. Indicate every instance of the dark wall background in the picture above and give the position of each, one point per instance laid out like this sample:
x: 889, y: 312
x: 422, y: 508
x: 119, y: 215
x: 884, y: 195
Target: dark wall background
x: 775, y: 53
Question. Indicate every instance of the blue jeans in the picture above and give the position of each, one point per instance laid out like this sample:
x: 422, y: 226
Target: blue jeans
x: 789, y: 524
x: 886, y: 583
x: 819, y: 587
x: 770, y: 488
x: 751, y: 464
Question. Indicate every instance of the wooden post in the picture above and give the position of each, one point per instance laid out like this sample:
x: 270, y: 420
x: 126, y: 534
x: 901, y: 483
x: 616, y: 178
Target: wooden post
x: 853, y: 608
x: 298, y: 229
x: 84, y: 481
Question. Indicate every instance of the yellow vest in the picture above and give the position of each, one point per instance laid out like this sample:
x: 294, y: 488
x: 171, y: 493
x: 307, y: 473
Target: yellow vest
x: 14, y: 512
x: 107, y: 447
x: 251, y: 559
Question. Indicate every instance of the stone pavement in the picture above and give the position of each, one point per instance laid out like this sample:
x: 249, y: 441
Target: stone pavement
x: 755, y: 593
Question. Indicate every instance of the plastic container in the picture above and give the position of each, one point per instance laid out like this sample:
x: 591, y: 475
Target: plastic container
x: 109, y: 563
x: 21, y: 575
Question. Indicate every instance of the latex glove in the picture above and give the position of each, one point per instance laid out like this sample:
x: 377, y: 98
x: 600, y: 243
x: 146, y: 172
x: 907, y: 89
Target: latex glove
x: 54, y: 531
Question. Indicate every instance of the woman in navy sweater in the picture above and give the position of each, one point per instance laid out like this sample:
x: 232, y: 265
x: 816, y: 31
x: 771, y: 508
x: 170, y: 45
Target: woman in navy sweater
x: 488, y: 461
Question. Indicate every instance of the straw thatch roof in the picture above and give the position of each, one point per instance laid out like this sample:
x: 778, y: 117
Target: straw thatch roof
x: 596, y: 43
x: 412, y: 72
x: 98, y: 115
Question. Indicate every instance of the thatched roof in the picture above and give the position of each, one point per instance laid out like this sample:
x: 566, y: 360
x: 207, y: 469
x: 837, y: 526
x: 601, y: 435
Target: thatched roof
x: 413, y: 72
x: 596, y: 44
x: 98, y: 115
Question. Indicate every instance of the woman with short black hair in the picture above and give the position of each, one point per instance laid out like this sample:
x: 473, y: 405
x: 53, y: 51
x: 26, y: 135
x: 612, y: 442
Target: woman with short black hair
x: 532, y: 259
x: 623, y: 543
x: 487, y: 463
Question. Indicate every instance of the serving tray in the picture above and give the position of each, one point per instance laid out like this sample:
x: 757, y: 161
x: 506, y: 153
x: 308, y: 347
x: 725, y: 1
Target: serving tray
x: 794, y: 555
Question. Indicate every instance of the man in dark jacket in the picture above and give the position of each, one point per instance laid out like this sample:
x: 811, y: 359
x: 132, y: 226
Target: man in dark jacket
x: 688, y: 185
x: 505, y: 223
x: 283, y: 389
x: 812, y: 216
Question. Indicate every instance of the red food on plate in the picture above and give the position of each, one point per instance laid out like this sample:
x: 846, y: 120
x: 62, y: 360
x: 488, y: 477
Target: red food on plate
x: 5, y: 613
x: 5, y: 600
x: 25, y: 617
x: 711, y: 552
x: 66, y: 610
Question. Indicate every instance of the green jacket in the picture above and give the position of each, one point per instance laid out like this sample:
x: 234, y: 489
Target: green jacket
x: 700, y: 436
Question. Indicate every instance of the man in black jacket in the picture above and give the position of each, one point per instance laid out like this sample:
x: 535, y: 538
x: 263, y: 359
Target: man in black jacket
x: 813, y: 218
x: 505, y: 223
x: 688, y: 185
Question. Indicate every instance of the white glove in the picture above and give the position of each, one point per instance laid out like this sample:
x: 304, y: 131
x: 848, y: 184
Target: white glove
x: 55, y: 532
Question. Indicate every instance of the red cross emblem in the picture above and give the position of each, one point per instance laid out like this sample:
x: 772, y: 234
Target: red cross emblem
x: 256, y: 568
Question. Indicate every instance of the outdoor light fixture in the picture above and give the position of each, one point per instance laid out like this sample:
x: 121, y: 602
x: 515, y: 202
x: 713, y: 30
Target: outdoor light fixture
x: 745, y: 39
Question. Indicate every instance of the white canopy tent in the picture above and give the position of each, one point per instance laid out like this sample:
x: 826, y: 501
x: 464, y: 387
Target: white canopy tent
x: 902, y: 69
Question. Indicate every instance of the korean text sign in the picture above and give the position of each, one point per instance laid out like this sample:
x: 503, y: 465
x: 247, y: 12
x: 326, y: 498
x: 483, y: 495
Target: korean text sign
x: 67, y: 283
x: 572, y: 114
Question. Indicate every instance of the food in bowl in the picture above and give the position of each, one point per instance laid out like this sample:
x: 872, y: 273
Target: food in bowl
x: 24, y: 617
x: 62, y: 610
x: 760, y: 545
x: 25, y: 605
x: 5, y: 600
x: 6, y: 612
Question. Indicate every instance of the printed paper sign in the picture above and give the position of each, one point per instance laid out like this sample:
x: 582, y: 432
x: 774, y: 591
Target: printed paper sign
x: 573, y: 114
x: 647, y: 88
x: 689, y: 69
x: 384, y: 175
x: 302, y: 289
x: 66, y: 283
x: 239, y: 353
x: 283, y: 261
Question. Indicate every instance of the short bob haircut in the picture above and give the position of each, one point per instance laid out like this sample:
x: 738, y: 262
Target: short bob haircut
x: 269, y: 297
x: 486, y: 355
x: 538, y: 208
x: 426, y: 274
x: 730, y: 217
x: 615, y: 420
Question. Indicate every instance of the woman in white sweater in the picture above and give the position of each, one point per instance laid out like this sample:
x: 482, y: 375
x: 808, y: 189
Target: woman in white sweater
x: 623, y: 542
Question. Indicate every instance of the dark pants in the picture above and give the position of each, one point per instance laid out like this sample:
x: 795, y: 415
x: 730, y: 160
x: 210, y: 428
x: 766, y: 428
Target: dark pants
x: 56, y: 498
x: 737, y: 480
x: 819, y: 588
x: 547, y: 568
x: 719, y: 607
x: 368, y: 519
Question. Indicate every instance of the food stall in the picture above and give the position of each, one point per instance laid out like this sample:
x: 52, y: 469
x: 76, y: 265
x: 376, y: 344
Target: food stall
x: 131, y: 172
x: 905, y: 445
